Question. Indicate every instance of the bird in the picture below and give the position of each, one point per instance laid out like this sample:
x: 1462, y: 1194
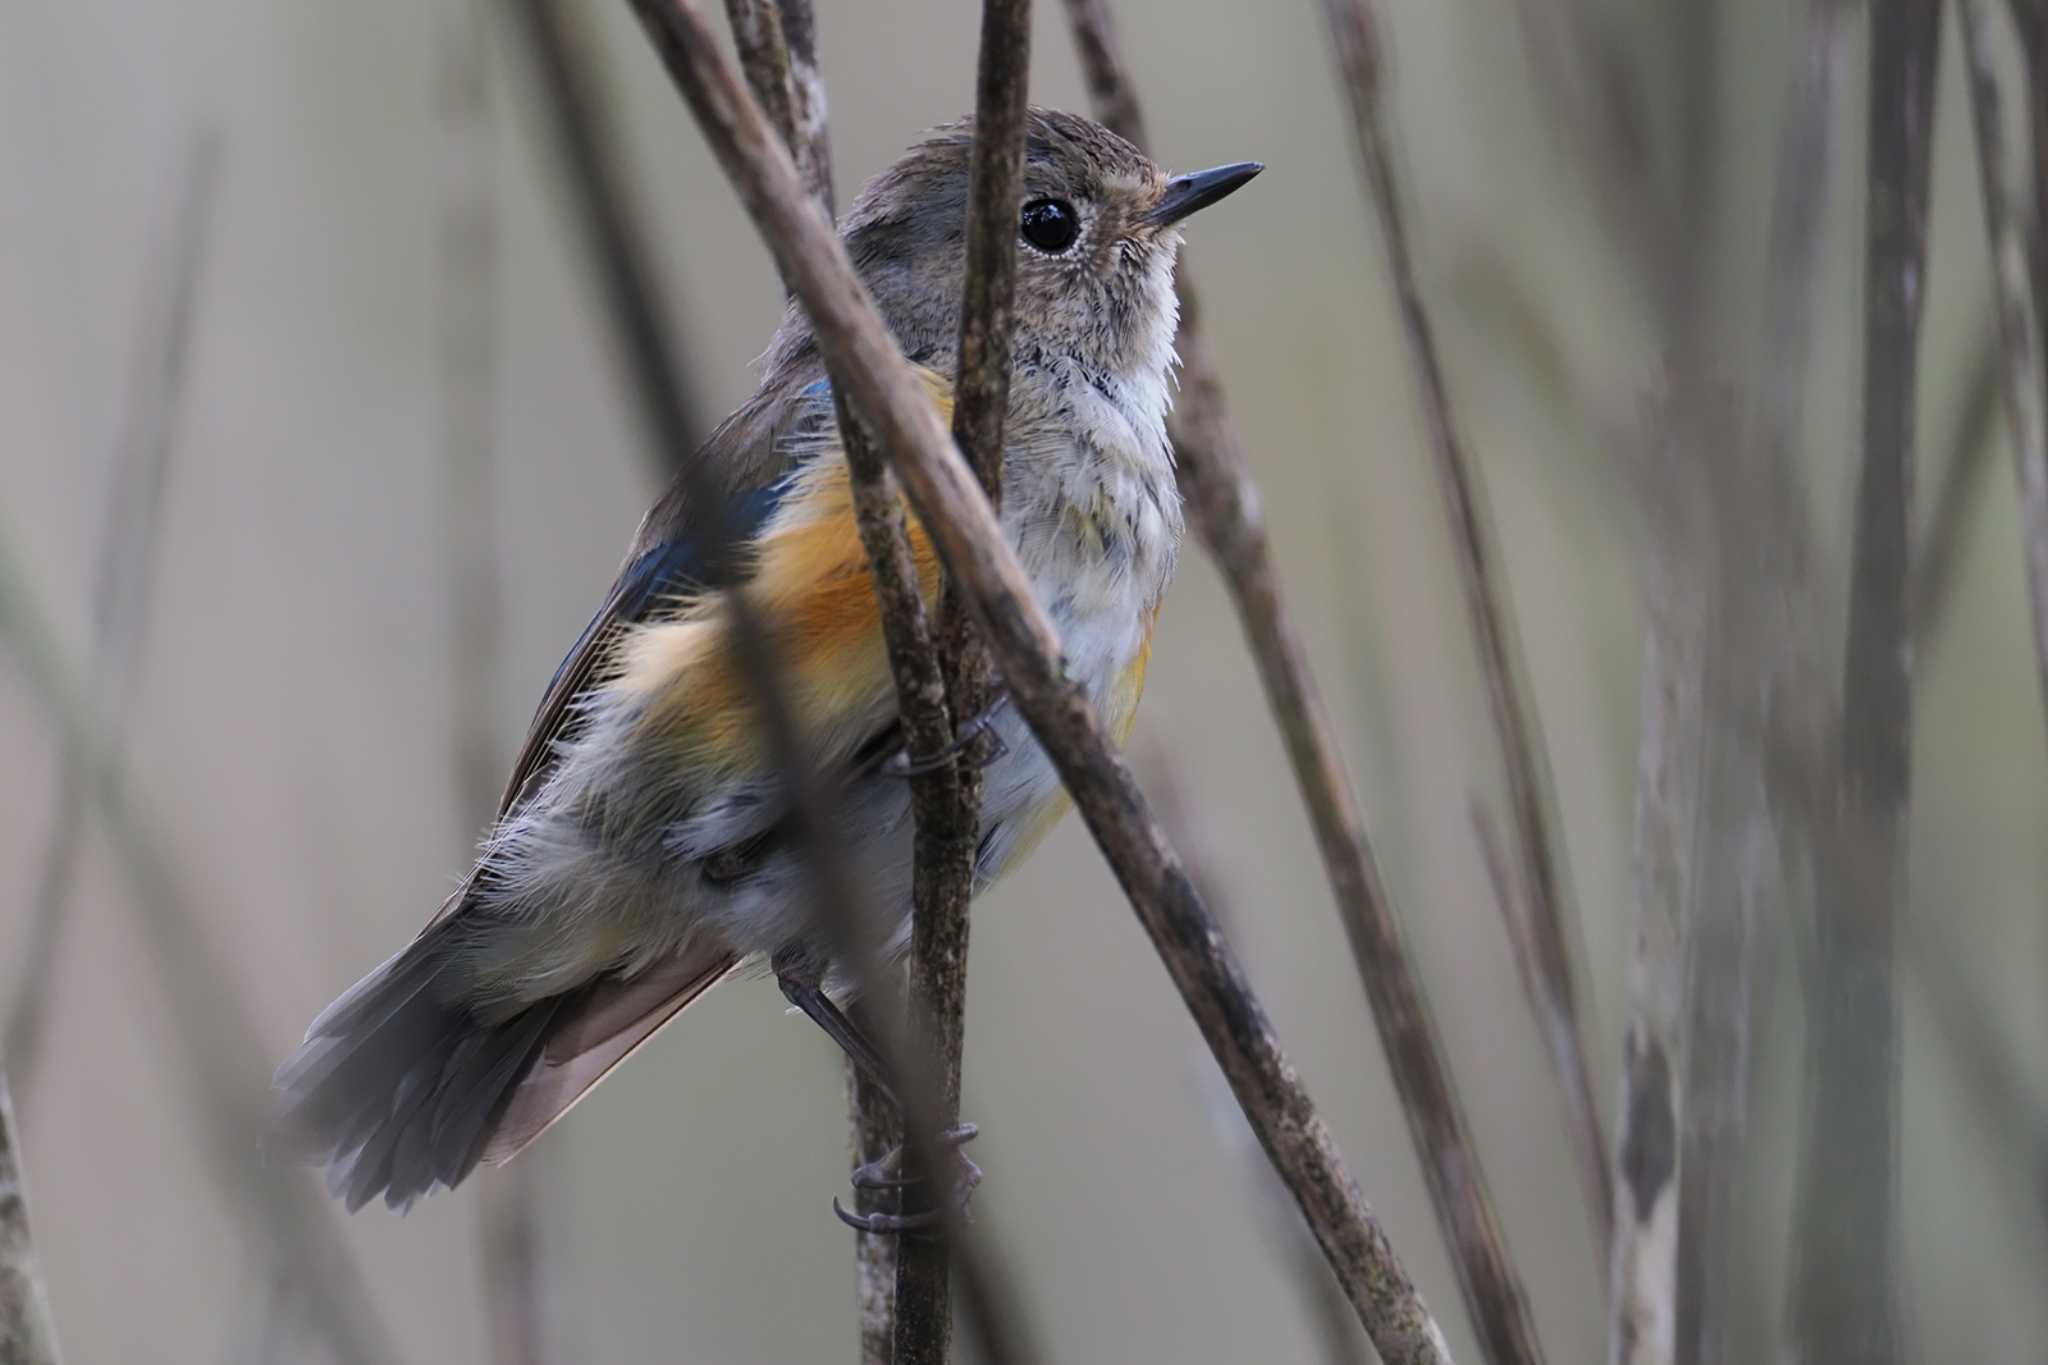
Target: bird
x: 643, y: 852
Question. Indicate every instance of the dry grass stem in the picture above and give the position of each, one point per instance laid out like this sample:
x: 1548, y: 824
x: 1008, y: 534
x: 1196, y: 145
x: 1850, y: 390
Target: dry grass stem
x: 210, y: 1020
x: 948, y: 835
x: 875, y: 1128
x: 516, y: 1287
x: 764, y: 55
x: 1225, y: 508
x: 949, y: 501
x: 1551, y: 921
x: 1582, y: 66
x: 1334, y: 1325
x: 1969, y: 446
x: 1552, y: 924
x: 1549, y: 1012
x: 945, y: 803
x: 633, y: 289
x: 812, y: 146
x: 515, y: 1290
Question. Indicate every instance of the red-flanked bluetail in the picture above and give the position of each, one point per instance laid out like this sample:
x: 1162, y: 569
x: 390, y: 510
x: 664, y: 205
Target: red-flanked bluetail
x: 642, y: 853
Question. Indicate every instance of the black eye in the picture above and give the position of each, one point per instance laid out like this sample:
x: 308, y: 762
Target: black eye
x: 1050, y: 224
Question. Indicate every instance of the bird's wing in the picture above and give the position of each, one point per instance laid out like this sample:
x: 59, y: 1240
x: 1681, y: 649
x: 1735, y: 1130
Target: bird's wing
x: 671, y: 557
x: 811, y: 571
x: 682, y: 680
x: 808, y: 575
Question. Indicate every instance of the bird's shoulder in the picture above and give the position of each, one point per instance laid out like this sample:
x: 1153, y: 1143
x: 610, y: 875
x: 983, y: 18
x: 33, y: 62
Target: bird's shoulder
x: 777, y: 455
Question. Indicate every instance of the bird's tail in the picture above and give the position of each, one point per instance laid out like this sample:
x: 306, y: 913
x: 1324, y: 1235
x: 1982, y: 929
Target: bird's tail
x: 401, y: 1086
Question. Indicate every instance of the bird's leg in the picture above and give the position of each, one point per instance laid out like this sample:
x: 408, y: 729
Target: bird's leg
x: 800, y: 987
x: 903, y: 763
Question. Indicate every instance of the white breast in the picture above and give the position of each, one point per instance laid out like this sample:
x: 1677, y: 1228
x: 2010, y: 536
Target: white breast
x: 1091, y: 508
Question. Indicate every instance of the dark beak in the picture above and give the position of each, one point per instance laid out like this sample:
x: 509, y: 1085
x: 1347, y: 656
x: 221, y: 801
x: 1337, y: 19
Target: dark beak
x: 1187, y: 193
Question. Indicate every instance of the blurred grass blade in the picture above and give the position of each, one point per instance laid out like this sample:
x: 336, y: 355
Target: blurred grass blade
x: 1845, y: 1286
x: 211, y: 1022
x: 121, y: 578
x: 2017, y: 269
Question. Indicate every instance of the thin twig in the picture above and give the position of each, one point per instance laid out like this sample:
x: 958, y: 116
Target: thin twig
x: 633, y: 287
x: 764, y: 55
x: 1552, y: 923
x: 918, y: 1310
x: 932, y: 688
x: 1845, y: 1299
x: 875, y: 1127
x: 1583, y: 67
x: 263, y: 1331
x: 516, y: 1286
x: 943, y: 847
x: 135, y: 499
x: 1550, y: 1013
x: 1210, y: 462
x: 1938, y: 554
x: 975, y: 551
x: 874, y: 1131
x: 27, y: 1334
x: 809, y: 121
x: 1334, y: 1326
x: 2030, y: 21
x: 468, y: 298
x: 1993, y: 1064
x: 2019, y: 297
x: 515, y: 1290
x: 948, y: 840
x: 927, y: 727
x: 836, y: 902
x: 210, y: 1020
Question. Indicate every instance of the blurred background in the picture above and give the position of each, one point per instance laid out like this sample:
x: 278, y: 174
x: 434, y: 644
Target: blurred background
x: 292, y: 729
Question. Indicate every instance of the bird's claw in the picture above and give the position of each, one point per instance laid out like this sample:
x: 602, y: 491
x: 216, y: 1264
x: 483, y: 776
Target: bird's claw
x: 903, y: 763
x: 886, y: 1173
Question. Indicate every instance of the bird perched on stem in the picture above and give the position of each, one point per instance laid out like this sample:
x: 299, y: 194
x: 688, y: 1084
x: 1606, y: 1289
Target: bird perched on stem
x: 643, y: 850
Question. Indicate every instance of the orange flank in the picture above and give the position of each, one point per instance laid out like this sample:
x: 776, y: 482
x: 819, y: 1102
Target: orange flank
x: 813, y: 586
x: 814, y: 589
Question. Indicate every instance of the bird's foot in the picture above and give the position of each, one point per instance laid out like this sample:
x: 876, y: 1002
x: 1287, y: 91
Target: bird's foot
x: 903, y: 763
x: 888, y: 1173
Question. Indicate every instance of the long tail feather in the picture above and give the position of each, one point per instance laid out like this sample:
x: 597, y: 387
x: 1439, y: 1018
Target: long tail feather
x: 400, y: 1087
x: 605, y: 1028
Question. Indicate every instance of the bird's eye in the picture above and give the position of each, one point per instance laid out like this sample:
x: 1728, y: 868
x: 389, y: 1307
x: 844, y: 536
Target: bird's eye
x: 1050, y: 224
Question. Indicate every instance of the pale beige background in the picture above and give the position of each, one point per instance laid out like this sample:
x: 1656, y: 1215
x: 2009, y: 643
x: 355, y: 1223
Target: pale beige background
x: 290, y: 728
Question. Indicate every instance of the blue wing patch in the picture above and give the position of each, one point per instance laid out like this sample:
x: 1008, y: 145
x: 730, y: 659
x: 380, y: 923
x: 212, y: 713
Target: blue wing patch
x: 685, y: 564
x: 682, y: 564
x: 677, y: 566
